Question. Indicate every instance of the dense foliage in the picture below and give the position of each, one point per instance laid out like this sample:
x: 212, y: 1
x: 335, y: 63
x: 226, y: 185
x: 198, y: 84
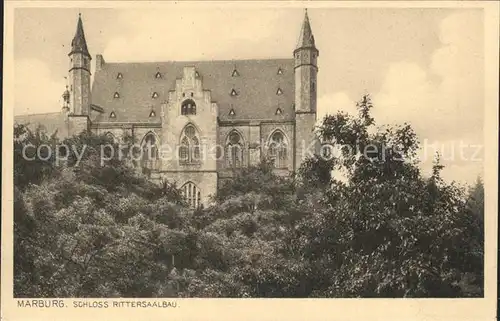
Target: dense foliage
x: 86, y: 230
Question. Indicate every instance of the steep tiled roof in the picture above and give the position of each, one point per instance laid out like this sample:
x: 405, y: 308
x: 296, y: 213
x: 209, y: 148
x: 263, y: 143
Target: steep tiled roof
x: 256, y: 83
x: 50, y: 122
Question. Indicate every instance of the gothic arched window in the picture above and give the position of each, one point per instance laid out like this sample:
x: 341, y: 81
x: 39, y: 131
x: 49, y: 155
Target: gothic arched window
x: 111, y: 137
x: 188, y: 107
x: 234, y: 150
x: 149, y: 151
x: 189, y: 149
x: 191, y: 194
x: 277, y: 151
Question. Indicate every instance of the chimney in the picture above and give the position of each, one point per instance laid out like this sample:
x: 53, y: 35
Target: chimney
x: 99, y: 62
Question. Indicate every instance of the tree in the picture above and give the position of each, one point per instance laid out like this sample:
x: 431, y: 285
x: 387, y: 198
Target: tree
x: 384, y: 231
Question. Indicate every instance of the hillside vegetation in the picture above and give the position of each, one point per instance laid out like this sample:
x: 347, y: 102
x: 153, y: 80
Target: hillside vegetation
x: 384, y: 231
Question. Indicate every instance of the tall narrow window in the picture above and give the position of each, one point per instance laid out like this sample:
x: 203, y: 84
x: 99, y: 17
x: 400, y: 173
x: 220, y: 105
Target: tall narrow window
x: 188, y: 107
x: 234, y: 150
x: 189, y: 148
x: 184, y: 150
x: 278, y: 150
x: 191, y: 194
x: 149, y: 151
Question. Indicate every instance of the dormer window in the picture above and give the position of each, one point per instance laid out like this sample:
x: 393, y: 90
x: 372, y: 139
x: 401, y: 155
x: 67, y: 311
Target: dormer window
x: 235, y: 73
x: 155, y: 95
x: 279, y: 91
x: 280, y: 71
x: 278, y: 111
x: 234, y: 93
x: 158, y: 75
x: 152, y: 114
x: 119, y: 76
x: 112, y: 115
x: 116, y: 95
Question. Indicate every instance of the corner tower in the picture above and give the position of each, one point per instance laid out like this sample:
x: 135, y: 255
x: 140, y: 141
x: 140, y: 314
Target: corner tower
x: 79, y: 73
x: 306, y: 70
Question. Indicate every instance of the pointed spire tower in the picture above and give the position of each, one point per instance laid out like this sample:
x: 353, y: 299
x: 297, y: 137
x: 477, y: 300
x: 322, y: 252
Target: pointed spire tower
x: 306, y: 70
x: 79, y: 72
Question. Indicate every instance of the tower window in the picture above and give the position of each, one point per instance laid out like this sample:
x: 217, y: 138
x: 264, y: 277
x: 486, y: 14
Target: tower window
x: 278, y: 111
x: 112, y: 115
x: 313, y: 87
x: 119, y: 76
x: 279, y: 91
x: 196, y: 74
x: 116, y: 95
x: 152, y: 114
x: 280, y: 71
x: 188, y: 107
x: 231, y: 112
x: 158, y: 75
x: 234, y: 93
x: 235, y: 73
x: 155, y: 95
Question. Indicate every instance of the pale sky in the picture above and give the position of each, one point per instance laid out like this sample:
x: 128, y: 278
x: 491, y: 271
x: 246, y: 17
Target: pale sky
x: 421, y: 66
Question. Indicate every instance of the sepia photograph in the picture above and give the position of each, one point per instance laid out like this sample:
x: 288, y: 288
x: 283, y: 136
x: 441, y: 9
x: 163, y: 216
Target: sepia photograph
x: 308, y: 151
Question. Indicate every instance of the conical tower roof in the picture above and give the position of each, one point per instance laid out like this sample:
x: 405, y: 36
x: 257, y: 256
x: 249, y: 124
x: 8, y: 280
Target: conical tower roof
x: 306, y: 38
x: 79, y: 44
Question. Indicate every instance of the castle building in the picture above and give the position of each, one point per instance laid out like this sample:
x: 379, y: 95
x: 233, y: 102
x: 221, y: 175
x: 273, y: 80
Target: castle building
x: 196, y: 121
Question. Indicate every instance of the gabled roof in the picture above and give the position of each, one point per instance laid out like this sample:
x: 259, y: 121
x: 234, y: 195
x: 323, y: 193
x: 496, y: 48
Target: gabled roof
x: 256, y: 88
